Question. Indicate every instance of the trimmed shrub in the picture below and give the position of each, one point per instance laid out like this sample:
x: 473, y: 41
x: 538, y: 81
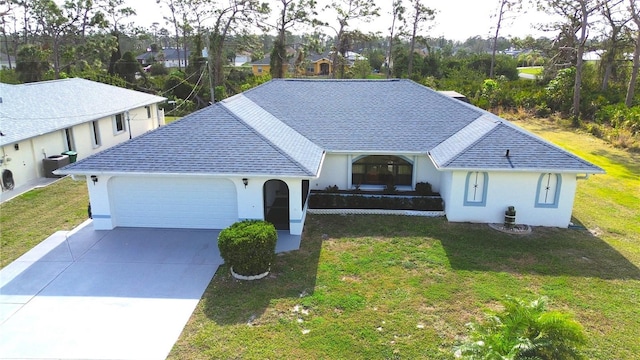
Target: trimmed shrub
x: 248, y: 246
x: 424, y: 188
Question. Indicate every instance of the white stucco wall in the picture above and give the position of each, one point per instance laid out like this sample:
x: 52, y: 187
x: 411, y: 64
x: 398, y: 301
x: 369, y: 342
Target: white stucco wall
x: 508, y: 189
x: 22, y: 162
x: 250, y: 200
x: 336, y: 170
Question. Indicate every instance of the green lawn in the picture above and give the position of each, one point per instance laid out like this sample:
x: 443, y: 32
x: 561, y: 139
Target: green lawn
x: 402, y: 287
x: 532, y: 70
x: 32, y: 217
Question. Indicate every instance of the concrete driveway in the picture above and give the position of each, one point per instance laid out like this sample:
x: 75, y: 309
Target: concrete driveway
x: 119, y: 294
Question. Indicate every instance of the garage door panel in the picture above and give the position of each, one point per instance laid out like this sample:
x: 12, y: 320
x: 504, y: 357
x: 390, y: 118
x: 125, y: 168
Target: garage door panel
x: 173, y: 202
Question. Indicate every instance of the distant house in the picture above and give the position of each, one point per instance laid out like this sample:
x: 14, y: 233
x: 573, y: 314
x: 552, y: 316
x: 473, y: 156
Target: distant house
x: 42, y: 120
x: 170, y: 57
x: 265, y: 149
x: 319, y: 64
x: 241, y: 59
x: 263, y: 67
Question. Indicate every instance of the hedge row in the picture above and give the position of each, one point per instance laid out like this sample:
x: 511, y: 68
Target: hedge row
x: 336, y: 201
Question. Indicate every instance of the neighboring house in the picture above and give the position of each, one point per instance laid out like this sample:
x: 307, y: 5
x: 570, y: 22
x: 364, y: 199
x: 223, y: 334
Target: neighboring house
x: 43, y: 119
x: 319, y: 64
x: 241, y: 59
x: 268, y: 147
x: 263, y: 67
x: 170, y: 57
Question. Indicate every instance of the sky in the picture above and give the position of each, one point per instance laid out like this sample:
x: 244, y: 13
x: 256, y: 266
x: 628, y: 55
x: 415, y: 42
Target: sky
x: 455, y: 19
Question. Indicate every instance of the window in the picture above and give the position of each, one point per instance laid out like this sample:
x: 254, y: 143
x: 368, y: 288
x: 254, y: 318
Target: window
x: 148, y: 111
x: 548, y: 190
x: 259, y: 69
x: 118, y: 124
x: 475, y: 191
x: 95, y: 134
x: 68, y: 134
x: 381, y: 170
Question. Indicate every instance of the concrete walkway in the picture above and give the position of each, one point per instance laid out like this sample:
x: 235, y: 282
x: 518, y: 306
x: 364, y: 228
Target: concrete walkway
x: 120, y: 294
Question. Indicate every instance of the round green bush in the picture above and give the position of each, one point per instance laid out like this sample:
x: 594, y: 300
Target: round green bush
x: 248, y: 246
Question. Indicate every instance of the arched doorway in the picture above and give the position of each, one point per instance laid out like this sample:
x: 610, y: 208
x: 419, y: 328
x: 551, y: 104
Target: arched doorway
x: 276, y: 203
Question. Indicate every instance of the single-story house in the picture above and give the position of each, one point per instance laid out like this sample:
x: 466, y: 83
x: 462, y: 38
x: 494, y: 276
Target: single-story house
x: 263, y: 67
x: 319, y: 64
x: 170, y: 57
x: 241, y: 58
x: 271, y: 145
x: 41, y: 120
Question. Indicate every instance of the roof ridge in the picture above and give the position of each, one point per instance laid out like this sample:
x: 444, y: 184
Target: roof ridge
x: 482, y: 137
x: 546, y: 143
x: 275, y: 146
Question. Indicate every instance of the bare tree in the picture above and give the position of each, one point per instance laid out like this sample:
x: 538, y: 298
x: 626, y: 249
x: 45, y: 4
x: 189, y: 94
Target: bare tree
x: 576, y: 16
x: 631, y: 89
x: 504, y: 7
x: 421, y: 14
x: 173, y: 19
x: 348, y: 10
x: 614, y: 41
x: 398, y: 11
x: 232, y: 17
x: 291, y: 13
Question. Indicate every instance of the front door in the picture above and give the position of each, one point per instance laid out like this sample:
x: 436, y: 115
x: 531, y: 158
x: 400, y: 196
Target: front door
x: 276, y: 203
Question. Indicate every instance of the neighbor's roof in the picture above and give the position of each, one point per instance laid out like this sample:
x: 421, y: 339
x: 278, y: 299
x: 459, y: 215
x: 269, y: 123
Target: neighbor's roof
x: 283, y: 127
x: 33, y: 109
x: 167, y: 53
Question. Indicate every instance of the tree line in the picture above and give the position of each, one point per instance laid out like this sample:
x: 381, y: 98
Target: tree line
x: 98, y: 39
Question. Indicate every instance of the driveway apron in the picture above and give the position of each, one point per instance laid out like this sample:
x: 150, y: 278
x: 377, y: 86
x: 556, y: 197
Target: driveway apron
x: 119, y: 294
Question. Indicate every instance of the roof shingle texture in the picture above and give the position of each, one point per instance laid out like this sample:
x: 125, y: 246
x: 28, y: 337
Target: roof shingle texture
x: 381, y: 116
x: 33, y: 109
x: 526, y: 152
x: 210, y: 141
x: 282, y: 128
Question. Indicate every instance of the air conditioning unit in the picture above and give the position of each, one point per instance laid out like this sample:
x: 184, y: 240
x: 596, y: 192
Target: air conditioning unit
x: 54, y: 162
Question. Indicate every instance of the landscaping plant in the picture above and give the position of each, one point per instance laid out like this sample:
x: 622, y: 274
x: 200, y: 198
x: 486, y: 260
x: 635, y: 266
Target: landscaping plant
x: 524, y: 330
x: 248, y: 246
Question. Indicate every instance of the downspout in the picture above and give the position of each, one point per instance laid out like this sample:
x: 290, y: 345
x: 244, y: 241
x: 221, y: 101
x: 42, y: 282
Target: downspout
x: 129, y: 123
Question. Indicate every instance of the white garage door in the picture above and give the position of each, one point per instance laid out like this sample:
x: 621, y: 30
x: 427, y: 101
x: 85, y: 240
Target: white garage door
x: 173, y: 202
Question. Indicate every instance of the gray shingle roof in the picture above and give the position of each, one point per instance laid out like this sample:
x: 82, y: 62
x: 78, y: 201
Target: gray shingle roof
x: 210, y: 141
x: 33, y: 109
x: 526, y: 153
x: 365, y: 115
x: 294, y: 145
x: 282, y: 128
x: 167, y: 54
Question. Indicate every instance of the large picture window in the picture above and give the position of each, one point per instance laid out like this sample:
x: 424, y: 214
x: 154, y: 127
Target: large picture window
x: 548, y: 190
x: 381, y: 170
x: 475, y: 192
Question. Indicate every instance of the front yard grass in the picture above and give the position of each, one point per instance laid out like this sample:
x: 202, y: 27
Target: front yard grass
x: 401, y: 287
x: 531, y: 70
x: 33, y: 216
x: 377, y: 287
